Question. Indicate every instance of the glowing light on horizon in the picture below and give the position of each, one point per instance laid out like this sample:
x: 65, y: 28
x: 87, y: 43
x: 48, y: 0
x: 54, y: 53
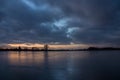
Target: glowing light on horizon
x: 60, y: 46
x: 25, y: 45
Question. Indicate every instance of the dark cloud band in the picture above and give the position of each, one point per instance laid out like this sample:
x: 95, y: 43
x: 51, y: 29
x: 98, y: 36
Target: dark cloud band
x: 51, y: 21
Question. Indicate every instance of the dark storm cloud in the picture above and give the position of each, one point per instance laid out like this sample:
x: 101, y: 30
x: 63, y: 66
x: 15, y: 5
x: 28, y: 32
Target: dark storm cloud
x: 23, y: 22
x: 80, y: 21
x: 98, y: 20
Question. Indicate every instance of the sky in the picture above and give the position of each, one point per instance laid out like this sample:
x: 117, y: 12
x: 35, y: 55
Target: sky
x: 89, y: 22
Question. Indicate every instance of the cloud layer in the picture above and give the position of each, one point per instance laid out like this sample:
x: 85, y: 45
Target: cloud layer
x: 60, y: 21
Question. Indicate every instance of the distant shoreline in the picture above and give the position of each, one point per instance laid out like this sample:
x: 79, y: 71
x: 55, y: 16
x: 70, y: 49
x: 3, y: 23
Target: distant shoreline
x: 88, y: 49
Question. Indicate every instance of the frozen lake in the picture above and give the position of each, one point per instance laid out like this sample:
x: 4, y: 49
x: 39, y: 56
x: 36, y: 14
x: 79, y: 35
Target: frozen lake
x: 64, y: 65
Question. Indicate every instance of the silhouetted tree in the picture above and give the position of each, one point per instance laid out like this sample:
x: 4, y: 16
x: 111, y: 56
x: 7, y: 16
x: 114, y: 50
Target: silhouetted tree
x: 19, y: 48
x: 46, y: 47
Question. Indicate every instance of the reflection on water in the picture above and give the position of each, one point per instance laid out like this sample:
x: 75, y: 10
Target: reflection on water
x: 38, y: 58
x: 25, y: 58
x: 96, y: 65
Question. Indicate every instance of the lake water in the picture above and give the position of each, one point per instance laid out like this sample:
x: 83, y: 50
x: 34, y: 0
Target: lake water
x: 68, y: 65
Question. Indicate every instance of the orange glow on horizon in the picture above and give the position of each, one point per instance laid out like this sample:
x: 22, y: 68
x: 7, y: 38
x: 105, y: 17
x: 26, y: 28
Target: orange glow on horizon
x: 25, y: 45
x: 70, y: 46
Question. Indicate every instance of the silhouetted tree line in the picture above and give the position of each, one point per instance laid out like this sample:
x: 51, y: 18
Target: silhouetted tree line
x: 103, y: 48
x: 46, y: 48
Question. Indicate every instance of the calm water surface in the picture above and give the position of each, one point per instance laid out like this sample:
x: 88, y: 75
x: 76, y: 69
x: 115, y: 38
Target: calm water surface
x: 81, y: 65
